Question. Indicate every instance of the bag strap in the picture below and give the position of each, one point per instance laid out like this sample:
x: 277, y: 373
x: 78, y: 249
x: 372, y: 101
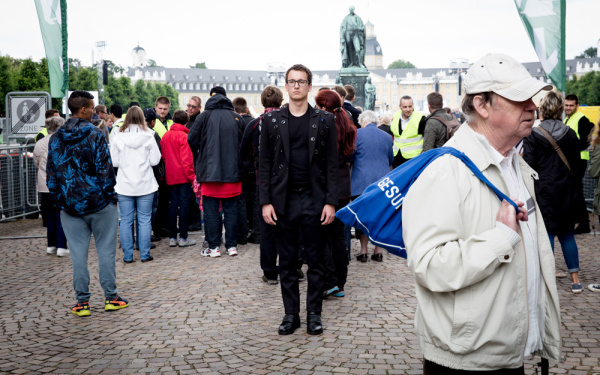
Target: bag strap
x: 556, y: 147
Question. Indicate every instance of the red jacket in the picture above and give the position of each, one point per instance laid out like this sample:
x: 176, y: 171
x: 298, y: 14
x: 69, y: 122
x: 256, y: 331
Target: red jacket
x: 179, y: 162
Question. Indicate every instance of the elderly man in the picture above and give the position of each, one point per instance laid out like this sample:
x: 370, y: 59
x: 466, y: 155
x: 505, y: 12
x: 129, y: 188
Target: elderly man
x: 484, y: 272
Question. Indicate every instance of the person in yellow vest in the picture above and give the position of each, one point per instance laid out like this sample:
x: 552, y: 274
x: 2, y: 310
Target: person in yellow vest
x: 407, y: 128
x: 582, y: 127
x: 44, y: 132
x: 163, y: 117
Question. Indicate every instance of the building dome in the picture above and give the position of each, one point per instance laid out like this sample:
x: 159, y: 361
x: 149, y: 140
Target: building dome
x: 373, y: 52
x: 138, y: 57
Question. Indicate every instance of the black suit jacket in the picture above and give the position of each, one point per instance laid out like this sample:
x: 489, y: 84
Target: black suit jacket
x: 355, y: 113
x: 274, y: 156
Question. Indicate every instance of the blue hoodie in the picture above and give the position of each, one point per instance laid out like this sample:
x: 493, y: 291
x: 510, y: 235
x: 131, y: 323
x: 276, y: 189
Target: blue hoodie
x: 79, y: 172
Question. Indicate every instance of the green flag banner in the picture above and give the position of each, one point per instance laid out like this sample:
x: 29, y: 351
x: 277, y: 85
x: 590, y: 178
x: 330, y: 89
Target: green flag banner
x: 52, y: 15
x: 544, y: 21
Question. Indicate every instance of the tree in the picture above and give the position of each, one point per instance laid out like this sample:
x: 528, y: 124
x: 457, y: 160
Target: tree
x: 85, y: 78
x: 588, y: 53
x: 30, y: 77
x: 6, y: 81
x: 401, y: 64
x: 586, y: 87
x: 200, y: 65
x: 152, y: 64
x: 142, y: 94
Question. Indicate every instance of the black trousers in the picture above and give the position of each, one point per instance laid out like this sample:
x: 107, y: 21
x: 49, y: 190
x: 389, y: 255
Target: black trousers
x: 336, y: 255
x: 301, y: 225
x: 268, y: 250
x: 430, y: 368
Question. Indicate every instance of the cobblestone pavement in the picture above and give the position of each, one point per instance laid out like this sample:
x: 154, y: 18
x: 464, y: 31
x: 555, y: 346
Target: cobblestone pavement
x: 190, y: 314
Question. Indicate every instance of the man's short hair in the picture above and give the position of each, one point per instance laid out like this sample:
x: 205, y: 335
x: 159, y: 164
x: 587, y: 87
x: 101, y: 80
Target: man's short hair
x: 350, y: 92
x: 162, y: 100
x: 78, y: 100
x: 181, y: 117
x: 271, y: 97
x: 53, y: 123
x: 116, y: 110
x: 324, y: 88
x: 340, y: 90
x: 368, y: 117
x: 131, y: 104
x: 468, y: 108
x: 405, y: 97
x: 100, y: 109
x: 448, y: 110
x: 197, y: 98
x: 301, y: 68
x: 240, y: 105
x: 218, y: 90
x: 572, y: 97
x: 435, y: 100
x: 552, y: 106
x: 50, y: 113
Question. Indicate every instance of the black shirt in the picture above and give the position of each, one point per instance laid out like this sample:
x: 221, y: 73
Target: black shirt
x: 298, y: 163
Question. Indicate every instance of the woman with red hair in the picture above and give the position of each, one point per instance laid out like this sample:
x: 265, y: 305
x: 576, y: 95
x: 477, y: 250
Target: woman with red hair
x: 337, y: 255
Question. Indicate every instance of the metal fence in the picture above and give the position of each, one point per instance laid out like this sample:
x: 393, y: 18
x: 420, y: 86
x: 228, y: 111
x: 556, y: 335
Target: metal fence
x: 589, y: 184
x: 18, y: 177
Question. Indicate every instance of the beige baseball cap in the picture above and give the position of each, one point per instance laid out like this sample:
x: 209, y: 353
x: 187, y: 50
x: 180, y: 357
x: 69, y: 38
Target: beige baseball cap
x: 503, y: 75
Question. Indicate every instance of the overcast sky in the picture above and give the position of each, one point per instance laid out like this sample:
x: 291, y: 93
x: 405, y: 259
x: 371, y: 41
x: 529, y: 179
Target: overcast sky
x: 242, y: 34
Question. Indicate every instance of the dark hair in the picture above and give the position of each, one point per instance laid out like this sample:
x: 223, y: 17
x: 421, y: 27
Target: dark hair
x: 468, y: 108
x: 351, y: 92
x: 135, y: 115
x: 181, y: 117
x: 340, y: 90
x: 78, y: 100
x: 324, y: 88
x: 346, y: 133
x: 448, y: 110
x: 435, y: 100
x: 50, y: 113
x: 301, y: 68
x: 271, y: 97
x: 162, y: 100
x: 405, y: 97
x: 116, y: 110
x: 218, y: 90
x: 572, y: 97
x: 240, y: 105
x: 131, y: 104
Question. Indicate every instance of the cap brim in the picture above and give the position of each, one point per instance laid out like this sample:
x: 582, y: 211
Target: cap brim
x: 523, y: 90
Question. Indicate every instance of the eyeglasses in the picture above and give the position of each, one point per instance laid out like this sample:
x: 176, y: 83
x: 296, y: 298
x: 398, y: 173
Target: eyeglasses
x: 301, y: 82
x: 192, y: 106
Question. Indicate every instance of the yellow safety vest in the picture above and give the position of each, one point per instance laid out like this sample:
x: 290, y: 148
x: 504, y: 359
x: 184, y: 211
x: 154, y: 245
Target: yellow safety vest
x: 160, y: 128
x: 573, y: 123
x: 43, y: 132
x: 410, y: 143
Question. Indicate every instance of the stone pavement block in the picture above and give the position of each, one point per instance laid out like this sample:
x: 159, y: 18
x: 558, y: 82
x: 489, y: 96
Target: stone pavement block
x: 190, y: 314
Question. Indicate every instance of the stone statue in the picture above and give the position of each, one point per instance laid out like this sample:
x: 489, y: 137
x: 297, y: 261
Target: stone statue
x: 352, y: 41
x: 370, y: 95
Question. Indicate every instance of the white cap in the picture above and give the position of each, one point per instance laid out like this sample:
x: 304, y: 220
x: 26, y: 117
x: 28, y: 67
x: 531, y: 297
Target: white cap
x: 503, y: 75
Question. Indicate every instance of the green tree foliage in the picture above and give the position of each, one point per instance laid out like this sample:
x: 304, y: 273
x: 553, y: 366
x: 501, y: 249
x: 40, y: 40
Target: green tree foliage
x: 6, y: 81
x: 588, y: 53
x: 401, y: 64
x: 200, y: 65
x: 586, y: 87
x: 29, y: 77
x: 151, y: 63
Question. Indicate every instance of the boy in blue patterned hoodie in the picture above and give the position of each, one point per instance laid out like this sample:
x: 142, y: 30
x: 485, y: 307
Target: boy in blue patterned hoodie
x: 81, y: 180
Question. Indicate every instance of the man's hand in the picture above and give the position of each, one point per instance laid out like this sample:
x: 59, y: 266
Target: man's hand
x: 509, y: 217
x: 269, y: 215
x: 328, y: 214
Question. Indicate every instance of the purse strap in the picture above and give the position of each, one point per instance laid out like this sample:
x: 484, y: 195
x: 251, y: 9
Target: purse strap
x: 556, y: 147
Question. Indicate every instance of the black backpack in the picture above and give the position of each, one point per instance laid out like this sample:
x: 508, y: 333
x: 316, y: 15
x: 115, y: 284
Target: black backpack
x: 451, y: 126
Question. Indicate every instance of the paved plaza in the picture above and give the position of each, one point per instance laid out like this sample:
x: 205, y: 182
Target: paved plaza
x: 190, y: 314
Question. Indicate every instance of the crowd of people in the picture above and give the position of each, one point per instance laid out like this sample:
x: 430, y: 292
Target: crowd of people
x: 278, y: 180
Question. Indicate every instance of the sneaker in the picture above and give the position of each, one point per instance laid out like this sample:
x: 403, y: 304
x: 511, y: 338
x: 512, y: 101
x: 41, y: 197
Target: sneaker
x: 81, y: 309
x: 213, y: 253
x: 115, y: 304
x: 339, y: 294
x: 577, y: 288
x: 62, y: 252
x: 154, y: 238
x: 269, y: 281
x: 51, y: 250
x: 186, y: 242
x: 594, y: 287
x: 232, y: 251
x: 205, y: 245
x: 329, y: 292
x: 172, y: 242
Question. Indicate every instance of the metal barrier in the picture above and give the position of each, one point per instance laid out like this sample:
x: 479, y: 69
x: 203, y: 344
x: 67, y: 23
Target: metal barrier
x: 18, y: 178
x: 589, y: 184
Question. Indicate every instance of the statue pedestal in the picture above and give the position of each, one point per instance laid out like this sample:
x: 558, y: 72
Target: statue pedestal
x: 357, y: 77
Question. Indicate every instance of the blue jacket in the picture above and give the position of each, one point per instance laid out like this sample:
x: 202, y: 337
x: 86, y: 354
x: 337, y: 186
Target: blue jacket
x: 79, y: 172
x: 372, y: 159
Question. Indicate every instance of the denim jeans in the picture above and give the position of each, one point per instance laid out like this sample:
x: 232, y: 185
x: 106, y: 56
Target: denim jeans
x: 54, y: 230
x: 569, y: 249
x: 212, y: 221
x: 78, y: 229
x: 142, y: 205
x: 180, y: 196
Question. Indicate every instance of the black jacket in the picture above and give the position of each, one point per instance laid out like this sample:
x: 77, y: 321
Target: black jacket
x: 247, y: 162
x: 555, y: 189
x: 274, y: 156
x: 355, y: 113
x: 215, y: 137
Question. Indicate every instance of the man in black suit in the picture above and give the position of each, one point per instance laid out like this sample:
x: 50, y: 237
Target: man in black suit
x: 350, y: 95
x: 298, y: 192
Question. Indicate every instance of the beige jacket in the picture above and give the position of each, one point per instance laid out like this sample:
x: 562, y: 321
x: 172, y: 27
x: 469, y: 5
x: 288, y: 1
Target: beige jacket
x: 470, y: 282
x: 40, y: 157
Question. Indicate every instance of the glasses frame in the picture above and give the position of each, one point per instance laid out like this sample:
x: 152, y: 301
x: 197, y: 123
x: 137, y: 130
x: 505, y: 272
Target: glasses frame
x: 300, y: 82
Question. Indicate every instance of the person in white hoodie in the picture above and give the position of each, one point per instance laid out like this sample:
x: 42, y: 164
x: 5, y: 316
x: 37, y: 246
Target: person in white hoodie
x: 134, y: 151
